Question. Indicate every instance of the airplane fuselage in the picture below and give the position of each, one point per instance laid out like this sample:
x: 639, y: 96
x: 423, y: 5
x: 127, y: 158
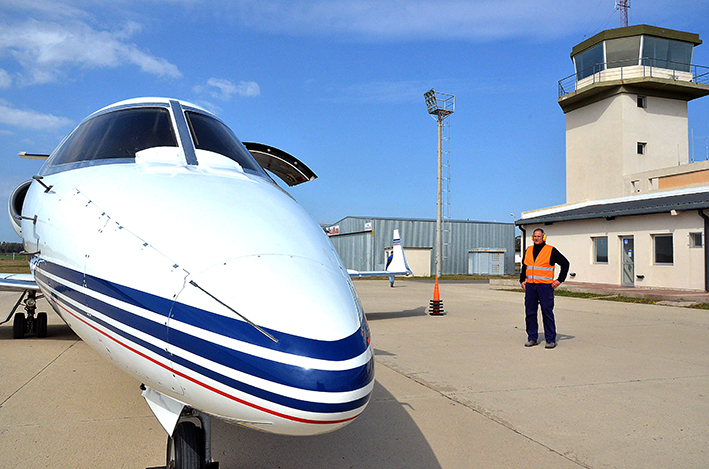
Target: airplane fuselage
x: 201, y: 277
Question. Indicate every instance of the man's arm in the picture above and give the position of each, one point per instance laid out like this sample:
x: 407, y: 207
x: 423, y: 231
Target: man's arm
x: 558, y: 258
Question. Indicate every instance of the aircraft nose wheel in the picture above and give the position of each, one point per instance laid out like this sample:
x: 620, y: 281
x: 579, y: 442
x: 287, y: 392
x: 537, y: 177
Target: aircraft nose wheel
x: 185, y: 448
x: 29, y: 324
x: 18, y: 326
x: 189, y: 447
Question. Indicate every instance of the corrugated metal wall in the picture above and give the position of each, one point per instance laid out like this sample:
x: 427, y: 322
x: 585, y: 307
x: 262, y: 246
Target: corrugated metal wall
x: 364, y: 250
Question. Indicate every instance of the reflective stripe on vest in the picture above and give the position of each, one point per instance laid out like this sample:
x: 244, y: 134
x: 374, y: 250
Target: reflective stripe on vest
x: 539, y: 270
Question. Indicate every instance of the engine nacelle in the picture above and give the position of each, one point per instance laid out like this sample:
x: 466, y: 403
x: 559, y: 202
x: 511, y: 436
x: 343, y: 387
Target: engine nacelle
x: 14, y: 206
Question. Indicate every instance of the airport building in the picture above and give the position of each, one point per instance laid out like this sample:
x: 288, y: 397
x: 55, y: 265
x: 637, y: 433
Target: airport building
x: 469, y: 247
x: 635, y: 199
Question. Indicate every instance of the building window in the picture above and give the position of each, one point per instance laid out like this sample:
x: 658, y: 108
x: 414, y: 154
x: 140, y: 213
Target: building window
x: 642, y: 101
x: 663, y: 249
x: 635, y: 185
x: 695, y: 240
x: 600, y: 250
x: 641, y: 148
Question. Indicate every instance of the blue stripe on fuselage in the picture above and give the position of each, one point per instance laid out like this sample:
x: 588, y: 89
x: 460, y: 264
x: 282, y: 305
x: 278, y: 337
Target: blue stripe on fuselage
x: 277, y: 372
x: 343, y: 349
x: 288, y: 375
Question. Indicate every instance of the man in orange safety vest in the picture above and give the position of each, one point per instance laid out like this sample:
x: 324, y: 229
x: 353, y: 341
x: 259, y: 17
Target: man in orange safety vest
x: 537, y: 279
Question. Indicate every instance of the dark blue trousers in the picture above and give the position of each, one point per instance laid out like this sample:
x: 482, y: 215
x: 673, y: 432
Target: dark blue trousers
x: 540, y: 294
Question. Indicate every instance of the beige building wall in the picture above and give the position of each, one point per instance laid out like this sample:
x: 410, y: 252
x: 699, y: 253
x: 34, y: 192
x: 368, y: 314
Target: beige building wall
x: 593, y: 164
x: 574, y: 239
x: 419, y: 261
x: 602, y: 144
x: 686, y: 179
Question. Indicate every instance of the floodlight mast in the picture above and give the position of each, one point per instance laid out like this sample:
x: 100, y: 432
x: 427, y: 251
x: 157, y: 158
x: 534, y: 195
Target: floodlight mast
x: 440, y: 105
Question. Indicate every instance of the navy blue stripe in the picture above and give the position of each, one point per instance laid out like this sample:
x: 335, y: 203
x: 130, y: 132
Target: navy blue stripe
x: 127, y: 295
x: 277, y: 372
x: 297, y: 404
x: 135, y: 321
x: 343, y: 349
x: 273, y: 397
x: 90, y: 318
x: 321, y: 380
x: 289, y: 375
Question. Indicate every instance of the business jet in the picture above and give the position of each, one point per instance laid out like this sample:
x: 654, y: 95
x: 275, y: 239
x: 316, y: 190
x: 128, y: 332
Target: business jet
x: 160, y: 239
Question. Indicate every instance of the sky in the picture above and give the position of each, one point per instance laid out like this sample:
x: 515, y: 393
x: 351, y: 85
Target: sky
x: 337, y: 83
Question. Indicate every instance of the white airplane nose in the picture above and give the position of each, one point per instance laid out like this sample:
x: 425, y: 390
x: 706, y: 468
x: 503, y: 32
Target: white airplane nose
x: 318, y: 300
x: 314, y: 364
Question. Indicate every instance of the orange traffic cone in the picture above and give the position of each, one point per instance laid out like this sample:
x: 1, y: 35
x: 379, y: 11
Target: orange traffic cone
x: 436, y: 308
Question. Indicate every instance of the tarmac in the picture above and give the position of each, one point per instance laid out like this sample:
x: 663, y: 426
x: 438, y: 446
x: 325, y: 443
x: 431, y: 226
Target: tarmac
x: 627, y: 387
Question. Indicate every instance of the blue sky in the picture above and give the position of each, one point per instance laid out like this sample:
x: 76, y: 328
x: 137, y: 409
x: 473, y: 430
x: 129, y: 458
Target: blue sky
x: 337, y: 83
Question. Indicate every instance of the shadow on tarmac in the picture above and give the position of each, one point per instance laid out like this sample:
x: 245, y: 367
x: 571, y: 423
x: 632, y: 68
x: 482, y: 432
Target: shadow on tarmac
x: 421, y: 311
x: 54, y: 332
x: 383, y: 436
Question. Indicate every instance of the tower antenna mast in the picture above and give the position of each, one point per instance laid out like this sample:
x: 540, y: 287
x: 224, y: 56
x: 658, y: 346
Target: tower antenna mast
x: 623, y: 5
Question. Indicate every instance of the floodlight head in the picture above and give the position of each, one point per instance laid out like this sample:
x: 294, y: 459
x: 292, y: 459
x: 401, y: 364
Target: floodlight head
x: 439, y: 104
x: 431, y: 103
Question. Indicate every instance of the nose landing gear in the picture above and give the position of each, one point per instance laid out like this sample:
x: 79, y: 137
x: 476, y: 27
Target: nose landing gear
x: 189, y: 446
x: 33, y: 322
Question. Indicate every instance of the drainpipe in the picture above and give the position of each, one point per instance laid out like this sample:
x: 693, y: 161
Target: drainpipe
x: 523, y: 246
x: 706, y: 251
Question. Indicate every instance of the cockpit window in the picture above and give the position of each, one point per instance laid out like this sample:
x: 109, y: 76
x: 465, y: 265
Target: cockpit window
x: 212, y: 135
x: 116, y: 135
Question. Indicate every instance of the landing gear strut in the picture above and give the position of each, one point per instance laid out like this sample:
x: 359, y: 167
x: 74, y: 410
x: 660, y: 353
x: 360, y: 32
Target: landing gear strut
x: 29, y: 324
x: 190, y: 446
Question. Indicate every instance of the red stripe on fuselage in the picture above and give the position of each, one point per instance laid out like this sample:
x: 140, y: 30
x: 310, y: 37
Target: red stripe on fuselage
x: 204, y: 385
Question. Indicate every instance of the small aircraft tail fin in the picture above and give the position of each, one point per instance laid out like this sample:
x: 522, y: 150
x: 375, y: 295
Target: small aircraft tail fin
x: 398, y: 261
x: 397, y: 265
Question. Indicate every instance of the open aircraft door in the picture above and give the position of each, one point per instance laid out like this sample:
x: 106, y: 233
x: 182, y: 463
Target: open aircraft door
x: 284, y: 165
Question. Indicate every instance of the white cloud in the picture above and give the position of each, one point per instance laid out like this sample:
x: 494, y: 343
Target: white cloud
x: 28, y: 119
x: 5, y: 79
x: 222, y: 89
x: 414, y: 20
x: 46, y: 50
x: 383, y: 92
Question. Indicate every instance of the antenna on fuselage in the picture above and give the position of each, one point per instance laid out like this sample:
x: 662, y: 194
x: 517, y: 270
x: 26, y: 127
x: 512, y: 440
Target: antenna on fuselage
x: 194, y: 284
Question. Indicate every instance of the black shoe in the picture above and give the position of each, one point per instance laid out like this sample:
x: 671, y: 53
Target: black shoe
x: 531, y: 343
x: 550, y: 345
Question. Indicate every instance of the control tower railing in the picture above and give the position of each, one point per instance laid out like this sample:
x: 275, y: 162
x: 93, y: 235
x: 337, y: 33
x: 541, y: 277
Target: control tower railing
x: 648, y: 68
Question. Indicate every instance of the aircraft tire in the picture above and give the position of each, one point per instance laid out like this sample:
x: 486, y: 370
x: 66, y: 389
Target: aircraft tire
x: 41, y: 325
x: 185, y: 448
x: 18, y: 326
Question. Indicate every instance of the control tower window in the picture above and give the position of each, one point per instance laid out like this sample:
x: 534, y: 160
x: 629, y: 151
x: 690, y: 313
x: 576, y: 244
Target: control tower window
x: 623, y: 52
x: 666, y: 53
x: 589, y: 61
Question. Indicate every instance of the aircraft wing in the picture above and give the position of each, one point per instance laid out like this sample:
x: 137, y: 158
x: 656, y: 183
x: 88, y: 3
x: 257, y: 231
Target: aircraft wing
x: 17, y: 282
x: 397, y: 265
x: 376, y: 273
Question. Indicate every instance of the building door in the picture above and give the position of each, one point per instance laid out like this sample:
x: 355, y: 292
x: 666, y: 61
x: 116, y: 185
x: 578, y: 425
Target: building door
x: 627, y: 273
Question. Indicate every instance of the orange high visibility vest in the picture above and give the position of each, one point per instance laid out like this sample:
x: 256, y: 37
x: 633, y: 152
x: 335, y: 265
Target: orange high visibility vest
x: 539, y: 270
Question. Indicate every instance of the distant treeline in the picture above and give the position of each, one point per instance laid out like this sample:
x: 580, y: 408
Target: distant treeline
x: 6, y: 248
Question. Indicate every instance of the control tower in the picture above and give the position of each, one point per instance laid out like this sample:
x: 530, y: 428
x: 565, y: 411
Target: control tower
x: 626, y: 110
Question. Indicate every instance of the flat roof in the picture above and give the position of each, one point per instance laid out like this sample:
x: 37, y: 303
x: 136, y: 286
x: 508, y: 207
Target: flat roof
x: 682, y: 200
x: 637, y: 30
